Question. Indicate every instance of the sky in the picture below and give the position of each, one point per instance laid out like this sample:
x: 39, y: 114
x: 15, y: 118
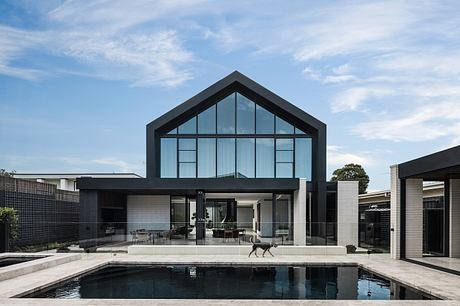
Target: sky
x: 79, y: 80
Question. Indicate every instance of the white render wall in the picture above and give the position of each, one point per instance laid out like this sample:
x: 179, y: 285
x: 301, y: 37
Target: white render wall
x: 414, y: 218
x: 454, y: 216
x: 347, y: 213
x: 300, y: 213
x: 395, y: 213
x: 148, y: 212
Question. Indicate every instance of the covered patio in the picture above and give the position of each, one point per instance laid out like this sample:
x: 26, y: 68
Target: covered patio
x: 409, y: 232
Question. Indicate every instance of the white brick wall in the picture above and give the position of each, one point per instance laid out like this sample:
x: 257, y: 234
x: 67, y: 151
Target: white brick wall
x: 454, y: 216
x: 414, y: 218
x: 148, y: 212
x: 395, y: 220
x: 347, y: 213
x: 300, y: 213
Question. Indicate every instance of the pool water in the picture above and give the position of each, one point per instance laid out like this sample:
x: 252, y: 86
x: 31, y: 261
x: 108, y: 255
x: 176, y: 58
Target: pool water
x: 225, y: 282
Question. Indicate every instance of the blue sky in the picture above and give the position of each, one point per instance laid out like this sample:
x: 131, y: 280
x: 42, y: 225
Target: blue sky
x: 79, y: 80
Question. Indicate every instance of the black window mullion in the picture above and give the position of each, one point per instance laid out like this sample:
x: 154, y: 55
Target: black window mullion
x: 196, y: 153
x: 177, y: 157
x: 274, y: 157
x: 235, y: 174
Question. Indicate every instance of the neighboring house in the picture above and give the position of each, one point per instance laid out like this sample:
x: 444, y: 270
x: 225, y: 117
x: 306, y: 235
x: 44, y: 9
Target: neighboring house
x: 233, y: 161
x: 67, y: 181
x: 374, y: 218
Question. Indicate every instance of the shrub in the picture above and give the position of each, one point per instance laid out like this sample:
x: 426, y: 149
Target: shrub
x: 10, y: 217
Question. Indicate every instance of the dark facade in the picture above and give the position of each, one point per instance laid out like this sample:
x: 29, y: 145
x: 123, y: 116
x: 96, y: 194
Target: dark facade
x: 234, y: 137
x: 46, y: 214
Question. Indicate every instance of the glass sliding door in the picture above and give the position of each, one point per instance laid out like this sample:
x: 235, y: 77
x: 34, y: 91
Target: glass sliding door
x: 284, y: 216
x: 433, y: 226
x: 183, y: 218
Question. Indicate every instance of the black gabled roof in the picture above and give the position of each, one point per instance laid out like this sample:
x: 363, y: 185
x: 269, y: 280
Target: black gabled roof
x: 236, y: 81
x: 437, y: 166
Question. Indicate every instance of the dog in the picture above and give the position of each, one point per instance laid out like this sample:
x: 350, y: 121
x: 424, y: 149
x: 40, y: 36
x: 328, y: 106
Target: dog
x: 262, y: 245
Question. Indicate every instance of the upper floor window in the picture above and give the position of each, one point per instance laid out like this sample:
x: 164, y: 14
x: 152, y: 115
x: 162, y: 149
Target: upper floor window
x: 236, y: 137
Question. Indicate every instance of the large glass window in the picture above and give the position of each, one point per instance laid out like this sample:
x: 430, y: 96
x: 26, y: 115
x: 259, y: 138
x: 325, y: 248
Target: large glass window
x: 265, y: 121
x: 206, y: 157
x: 303, y: 158
x: 168, y: 157
x: 282, y: 127
x: 236, y: 138
x: 188, y: 127
x: 187, y: 157
x: 225, y: 157
x: 245, y: 110
x: 226, y: 115
x: 207, y: 121
x: 245, y: 157
x: 284, y: 157
x: 265, y: 162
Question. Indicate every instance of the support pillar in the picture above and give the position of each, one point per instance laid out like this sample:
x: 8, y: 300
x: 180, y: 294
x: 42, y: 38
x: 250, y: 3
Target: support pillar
x: 300, y: 213
x: 454, y: 218
x: 395, y: 214
x: 200, y: 222
x: 89, y: 217
x: 347, y: 213
x: 414, y: 218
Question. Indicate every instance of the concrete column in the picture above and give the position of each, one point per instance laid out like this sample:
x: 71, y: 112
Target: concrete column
x: 395, y: 220
x: 63, y: 184
x: 414, y: 218
x: 347, y: 213
x: 454, y: 218
x: 300, y: 213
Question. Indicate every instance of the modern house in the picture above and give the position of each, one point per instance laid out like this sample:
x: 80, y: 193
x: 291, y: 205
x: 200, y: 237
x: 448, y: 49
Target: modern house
x: 374, y: 219
x: 407, y: 205
x: 68, y: 181
x: 235, y: 160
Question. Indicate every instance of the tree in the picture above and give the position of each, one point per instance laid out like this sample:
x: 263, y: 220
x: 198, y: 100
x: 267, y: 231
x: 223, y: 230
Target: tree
x: 352, y: 172
x: 10, y: 217
x: 5, y: 173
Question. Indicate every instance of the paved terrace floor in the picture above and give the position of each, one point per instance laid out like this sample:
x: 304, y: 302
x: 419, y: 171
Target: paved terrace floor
x: 436, y: 283
x: 443, y: 262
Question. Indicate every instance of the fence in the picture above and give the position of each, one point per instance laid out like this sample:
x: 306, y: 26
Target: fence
x: 46, y: 214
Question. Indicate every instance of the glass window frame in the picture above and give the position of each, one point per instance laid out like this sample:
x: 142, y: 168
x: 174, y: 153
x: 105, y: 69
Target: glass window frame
x: 256, y: 134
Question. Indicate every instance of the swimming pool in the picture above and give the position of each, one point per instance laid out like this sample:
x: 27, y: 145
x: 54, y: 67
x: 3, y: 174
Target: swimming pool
x: 231, y: 282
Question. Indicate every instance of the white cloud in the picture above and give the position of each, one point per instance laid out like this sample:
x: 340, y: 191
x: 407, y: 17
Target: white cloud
x: 336, y: 156
x: 311, y: 74
x: 427, y: 122
x: 339, y: 78
x: 13, y: 44
x: 104, y: 38
x: 351, y: 99
x: 342, y: 69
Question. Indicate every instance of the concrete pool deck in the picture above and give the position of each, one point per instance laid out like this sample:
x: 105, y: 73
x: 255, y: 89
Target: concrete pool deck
x: 439, y: 284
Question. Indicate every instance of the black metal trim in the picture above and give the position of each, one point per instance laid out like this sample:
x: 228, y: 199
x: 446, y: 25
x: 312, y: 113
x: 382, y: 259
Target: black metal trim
x: 446, y: 218
x: 402, y: 232
x: 436, y: 166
